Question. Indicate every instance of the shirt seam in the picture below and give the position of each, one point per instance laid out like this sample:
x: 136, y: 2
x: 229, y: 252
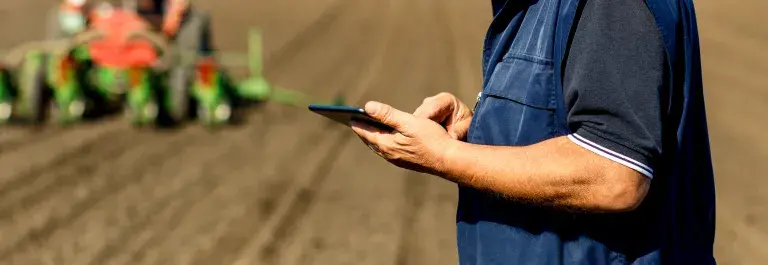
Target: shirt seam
x: 612, y: 155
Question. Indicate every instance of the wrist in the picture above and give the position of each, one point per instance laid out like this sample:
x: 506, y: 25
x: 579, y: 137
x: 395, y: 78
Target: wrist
x: 449, y: 157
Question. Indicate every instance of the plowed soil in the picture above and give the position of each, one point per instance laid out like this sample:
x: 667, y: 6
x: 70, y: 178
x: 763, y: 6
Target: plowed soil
x: 288, y: 187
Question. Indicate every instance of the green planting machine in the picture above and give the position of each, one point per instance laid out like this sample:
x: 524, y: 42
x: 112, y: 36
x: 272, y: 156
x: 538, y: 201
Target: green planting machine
x: 118, y: 61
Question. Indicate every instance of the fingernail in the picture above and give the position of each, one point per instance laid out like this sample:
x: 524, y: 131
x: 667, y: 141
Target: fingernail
x: 373, y: 107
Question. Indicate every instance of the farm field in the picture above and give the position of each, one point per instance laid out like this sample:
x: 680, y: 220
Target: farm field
x: 288, y: 187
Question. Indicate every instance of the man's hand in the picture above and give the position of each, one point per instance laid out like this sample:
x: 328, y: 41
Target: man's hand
x: 449, y: 111
x: 173, y: 16
x: 554, y: 172
x: 416, y: 143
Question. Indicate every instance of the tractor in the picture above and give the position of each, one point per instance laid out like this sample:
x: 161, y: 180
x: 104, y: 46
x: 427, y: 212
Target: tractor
x: 156, y: 67
x: 169, y: 73
x: 158, y: 78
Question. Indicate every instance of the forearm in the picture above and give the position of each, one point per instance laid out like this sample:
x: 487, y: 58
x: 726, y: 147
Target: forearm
x: 555, y: 172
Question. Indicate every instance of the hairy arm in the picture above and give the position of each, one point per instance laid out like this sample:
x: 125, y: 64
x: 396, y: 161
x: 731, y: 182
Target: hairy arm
x: 555, y: 172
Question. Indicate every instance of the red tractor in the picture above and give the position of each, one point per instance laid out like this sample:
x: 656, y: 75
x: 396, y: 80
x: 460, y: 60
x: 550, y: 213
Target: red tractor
x: 153, y: 60
x: 151, y: 57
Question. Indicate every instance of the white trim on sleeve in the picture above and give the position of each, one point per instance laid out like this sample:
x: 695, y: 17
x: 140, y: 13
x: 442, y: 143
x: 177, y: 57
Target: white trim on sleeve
x: 612, y: 155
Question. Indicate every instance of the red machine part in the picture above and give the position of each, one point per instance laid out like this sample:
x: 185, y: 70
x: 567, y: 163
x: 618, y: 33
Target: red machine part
x: 135, y: 75
x: 66, y: 65
x: 115, y: 49
x: 206, y: 69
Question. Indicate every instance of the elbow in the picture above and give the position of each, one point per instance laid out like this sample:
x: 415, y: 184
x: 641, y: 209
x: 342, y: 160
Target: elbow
x: 625, y: 199
x: 622, y: 194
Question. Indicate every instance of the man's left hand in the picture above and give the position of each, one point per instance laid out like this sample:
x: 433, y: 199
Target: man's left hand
x: 416, y: 143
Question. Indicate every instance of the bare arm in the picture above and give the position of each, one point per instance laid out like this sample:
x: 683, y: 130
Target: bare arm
x: 614, y: 88
x: 556, y: 172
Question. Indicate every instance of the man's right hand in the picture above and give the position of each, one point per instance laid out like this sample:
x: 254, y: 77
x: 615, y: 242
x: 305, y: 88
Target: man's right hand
x: 449, y: 111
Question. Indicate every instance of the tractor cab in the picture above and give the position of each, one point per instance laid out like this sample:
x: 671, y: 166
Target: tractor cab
x: 159, y: 14
x: 153, y: 11
x: 117, y: 48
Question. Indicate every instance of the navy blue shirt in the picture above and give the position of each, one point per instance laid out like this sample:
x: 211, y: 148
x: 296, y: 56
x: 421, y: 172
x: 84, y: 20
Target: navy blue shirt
x: 620, y: 78
x: 614, y: 83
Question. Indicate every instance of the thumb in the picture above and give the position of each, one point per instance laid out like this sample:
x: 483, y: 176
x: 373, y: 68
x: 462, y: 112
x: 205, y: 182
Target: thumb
x: 453, y: 135
x: 387, y: 114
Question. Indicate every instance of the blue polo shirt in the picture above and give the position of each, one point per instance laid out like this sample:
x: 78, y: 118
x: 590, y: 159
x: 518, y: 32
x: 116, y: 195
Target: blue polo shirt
x: 620, y: 78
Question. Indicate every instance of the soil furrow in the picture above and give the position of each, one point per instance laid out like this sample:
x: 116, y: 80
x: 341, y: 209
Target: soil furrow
x: 304, y: 198
x: 234, y: 240
x: 322, y: 25
x: 114, y: 182
x: 77, y: 160
x: 37, y: 158
x: 204, y: 185
x: 209, y: 172
x: 14, y: 140
x: 20, y: 196
x: 299, y: 200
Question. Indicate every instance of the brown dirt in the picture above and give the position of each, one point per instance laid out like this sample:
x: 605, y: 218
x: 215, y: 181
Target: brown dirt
x: 291, y: 188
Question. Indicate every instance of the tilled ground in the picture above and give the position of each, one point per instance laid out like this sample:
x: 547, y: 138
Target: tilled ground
x: 288, y: 187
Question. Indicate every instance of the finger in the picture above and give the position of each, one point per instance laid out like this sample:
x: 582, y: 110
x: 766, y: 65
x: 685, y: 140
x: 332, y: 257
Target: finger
x: 427, y: 108
x: 430, y: 106
x: 370, y: 136
x: 432, y: 111
x: 458, y: 130
x: 424, y: 110
x: 368, y: 133
x: 388, y: 115
x: 436, y: 108
x: 453, y: 135
x: 363, y: 127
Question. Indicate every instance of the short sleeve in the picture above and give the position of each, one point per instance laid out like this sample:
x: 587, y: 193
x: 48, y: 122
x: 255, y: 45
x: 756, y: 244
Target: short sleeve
x: 614, y: 83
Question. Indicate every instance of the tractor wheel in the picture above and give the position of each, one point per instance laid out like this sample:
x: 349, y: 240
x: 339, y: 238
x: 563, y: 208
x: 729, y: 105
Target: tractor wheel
x: 6, y: 111
x: 142, y: 115
x: 6, y: 97
x: 71, y: 112
x: 223, y: 112
x: 150, y: 112
x: 178, y: 94
x: 32, y: 85
x: 142, y: 105
x: 212, y: 116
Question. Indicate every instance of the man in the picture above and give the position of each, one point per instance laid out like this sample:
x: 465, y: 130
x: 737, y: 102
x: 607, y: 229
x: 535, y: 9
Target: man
x: 66, y: 19
x: 588, y: 143
x: 177, y: 20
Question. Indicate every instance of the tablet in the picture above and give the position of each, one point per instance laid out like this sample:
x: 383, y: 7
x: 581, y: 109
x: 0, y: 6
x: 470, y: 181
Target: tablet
x: 345, y: 114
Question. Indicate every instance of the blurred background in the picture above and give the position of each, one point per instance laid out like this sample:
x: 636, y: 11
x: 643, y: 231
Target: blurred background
x: 287, y: 187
